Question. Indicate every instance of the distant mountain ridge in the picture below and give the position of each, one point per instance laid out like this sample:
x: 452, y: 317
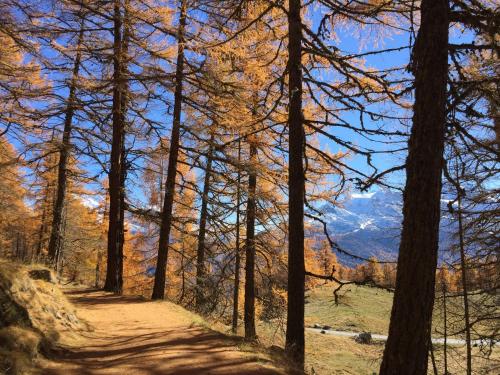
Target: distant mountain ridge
x: 369, y: 224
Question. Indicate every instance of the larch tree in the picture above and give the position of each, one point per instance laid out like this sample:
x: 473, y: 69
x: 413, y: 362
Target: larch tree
x: 295, y: 341
x: 114, y: 281
x: 237, y: 255
x: 249, y: 315
x: 166, y: 218
x: 408, y: 342
x: 15, y: 217
x: 64, y: 151
x: 200, y: 254
x: 242, y: 102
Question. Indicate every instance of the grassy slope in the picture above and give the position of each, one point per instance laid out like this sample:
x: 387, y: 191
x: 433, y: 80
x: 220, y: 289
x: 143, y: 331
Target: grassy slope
x: 341, y: 355
x: 360, y: 309
x: 363, y: 308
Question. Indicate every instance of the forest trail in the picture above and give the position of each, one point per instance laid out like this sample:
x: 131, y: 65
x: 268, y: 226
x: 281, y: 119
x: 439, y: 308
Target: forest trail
x: 134, y: 336
x: 449, y: 341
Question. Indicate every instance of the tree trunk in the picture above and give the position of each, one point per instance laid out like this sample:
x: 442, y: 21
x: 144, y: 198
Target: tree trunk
x: 183, y: 274
x: 64, y: 153
x: 121, y: 225
x: 249, y: 313
x: 168, y: 201
x: 445, y: 325
x: 59, y: 258
x: 104, y: 234
x: 433, y: 359
x: 200, y: 253
x: 236, y: 291
x: 465, y: 294
x: 41, y: 232
x: 98, y: 269
x: 113, y: 272
x: 407, y: 347
x: 124, y: 164
x: 17, y: 252
x: 294, y: 345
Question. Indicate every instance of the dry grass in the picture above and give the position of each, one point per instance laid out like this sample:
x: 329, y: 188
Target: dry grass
x: 341, y: 355
x: 482, y: 364
x: 326, y: 354
x: 49, y: 310
x: 19, y: 348
x: 360, y: 308
x: 38, y: 314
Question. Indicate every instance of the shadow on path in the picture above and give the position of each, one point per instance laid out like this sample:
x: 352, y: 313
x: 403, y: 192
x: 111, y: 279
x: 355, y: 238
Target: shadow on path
x: 136, y: 336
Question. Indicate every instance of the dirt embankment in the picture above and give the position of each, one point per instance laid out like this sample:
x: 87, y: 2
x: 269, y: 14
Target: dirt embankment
x: 34, y: 314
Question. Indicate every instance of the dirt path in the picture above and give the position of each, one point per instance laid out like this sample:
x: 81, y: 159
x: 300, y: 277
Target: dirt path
x: 134, y: 336
x: 449, y: 341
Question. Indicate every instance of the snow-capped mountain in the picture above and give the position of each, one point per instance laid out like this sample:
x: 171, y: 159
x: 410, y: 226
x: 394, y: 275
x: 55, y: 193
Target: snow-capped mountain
x: 369, y: 224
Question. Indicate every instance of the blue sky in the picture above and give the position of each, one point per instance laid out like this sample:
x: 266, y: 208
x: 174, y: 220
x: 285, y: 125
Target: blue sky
x: 352, y: 40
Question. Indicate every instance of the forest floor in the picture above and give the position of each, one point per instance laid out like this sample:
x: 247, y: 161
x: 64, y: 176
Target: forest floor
x: 130, y: 335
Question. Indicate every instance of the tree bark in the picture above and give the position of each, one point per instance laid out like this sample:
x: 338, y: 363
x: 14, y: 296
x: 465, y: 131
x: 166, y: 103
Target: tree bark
x: 249, y: 313
x: 64, y: 153
x: 166, y: 218
x: 121, y: 224
x: 98, y: 270
x: 294, y: 345
x: 43, y: 224
x: 124, y: 164
x: 407, y: 347
x: 445, y: 325
x: 433, y: 359
x: 465, y: 294
x: 200, y: 253
x: 113, y: 272
x: 59, y: 258
x: 18, y: 251
x: 183, y: 273
x: 236, y: 290
x: 104, y: 234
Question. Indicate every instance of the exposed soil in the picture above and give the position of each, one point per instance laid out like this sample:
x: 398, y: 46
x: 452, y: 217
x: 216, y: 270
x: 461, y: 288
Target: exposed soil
x: 134, y: 336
